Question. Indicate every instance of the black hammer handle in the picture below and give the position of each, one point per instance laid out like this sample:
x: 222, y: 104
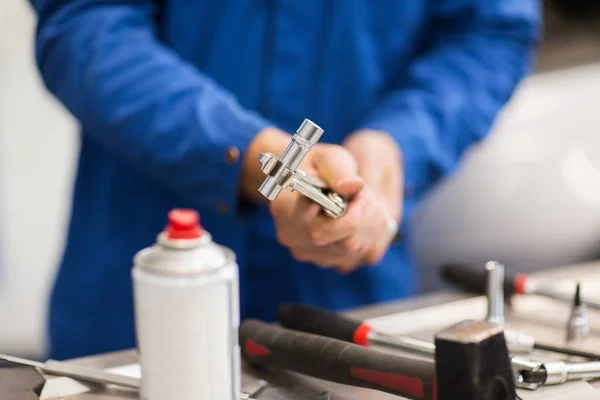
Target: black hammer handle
x: 472, y: 279
x: 336, y: 361
x: 325, y: 323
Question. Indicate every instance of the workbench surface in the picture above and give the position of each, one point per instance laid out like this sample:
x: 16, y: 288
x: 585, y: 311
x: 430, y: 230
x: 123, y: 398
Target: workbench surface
x: 419, y: 318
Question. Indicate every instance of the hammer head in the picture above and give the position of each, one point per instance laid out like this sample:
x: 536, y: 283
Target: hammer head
x: 472, y: 363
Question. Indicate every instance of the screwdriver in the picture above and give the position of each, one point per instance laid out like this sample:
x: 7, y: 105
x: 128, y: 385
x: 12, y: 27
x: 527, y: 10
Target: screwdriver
x: 321, y: 322
x: 472, y: 279
x: 336, y: 361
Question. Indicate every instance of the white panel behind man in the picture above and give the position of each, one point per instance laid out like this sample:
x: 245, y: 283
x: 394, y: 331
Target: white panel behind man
x: 37, y: 151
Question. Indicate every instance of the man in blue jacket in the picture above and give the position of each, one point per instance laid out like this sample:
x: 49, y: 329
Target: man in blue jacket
x: 176, y: 99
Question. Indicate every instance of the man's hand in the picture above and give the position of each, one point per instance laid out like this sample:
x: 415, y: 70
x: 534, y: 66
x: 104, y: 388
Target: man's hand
x: 379, y: 161
x: 314, y: 237
x: 345, y: 243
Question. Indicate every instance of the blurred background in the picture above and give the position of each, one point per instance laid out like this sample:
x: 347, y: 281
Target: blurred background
x: 528, y: 196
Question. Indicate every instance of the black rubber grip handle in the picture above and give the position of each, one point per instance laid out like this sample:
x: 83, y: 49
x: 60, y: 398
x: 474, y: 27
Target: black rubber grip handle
x: 320, y: 322
x: 472, y: 279
x: 336, y: 361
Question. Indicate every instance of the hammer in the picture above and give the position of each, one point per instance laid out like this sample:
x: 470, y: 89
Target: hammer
x: 471, y: 361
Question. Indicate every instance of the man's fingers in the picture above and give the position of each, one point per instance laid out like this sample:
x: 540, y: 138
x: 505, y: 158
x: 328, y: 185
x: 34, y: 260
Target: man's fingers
x: 346, y: 269
x: 334, y: 164
x: 376, y: 254
x: 326, y: 230
x: 348, y: 187
x: 293, y: 215
x: 318, y: 257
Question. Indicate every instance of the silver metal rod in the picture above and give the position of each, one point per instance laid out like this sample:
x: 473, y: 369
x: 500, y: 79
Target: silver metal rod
x: 84, y: 374
x: 587, y: 370
x: 90, y: 374
x: 403, y: 343
x: 21, y: 361
x: 494, y: 273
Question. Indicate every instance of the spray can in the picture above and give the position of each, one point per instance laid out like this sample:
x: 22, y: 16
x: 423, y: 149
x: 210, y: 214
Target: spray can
x: 187, y: 314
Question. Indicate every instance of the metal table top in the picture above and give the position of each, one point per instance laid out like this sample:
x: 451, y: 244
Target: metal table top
x: 536, y: 316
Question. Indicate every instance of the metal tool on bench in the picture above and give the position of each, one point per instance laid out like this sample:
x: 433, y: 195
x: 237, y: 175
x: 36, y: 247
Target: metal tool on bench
x: 533, y: 374
x: 84, y: 374
x: 336, y: 361
x: 283, y: 173
x: 98, y: 376
x: 472, y: 279
x: 457, y: 372
x: 518, y: 342
x: 578, y: 325
x: 494, y: 272
x: 321, y: 322
x: 493, y: 282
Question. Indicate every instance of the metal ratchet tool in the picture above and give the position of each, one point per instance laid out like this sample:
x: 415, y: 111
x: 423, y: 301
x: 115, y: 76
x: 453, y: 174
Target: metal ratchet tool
x: 283, y: 173
x: 533, y: 374
x: 320, y: 322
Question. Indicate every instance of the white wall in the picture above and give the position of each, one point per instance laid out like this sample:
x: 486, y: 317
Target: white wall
x: 529, y: 196
x: 37, y: 152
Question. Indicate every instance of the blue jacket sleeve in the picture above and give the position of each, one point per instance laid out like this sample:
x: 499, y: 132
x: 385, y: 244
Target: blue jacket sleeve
x: 137, y: 98
x: 476, y: 53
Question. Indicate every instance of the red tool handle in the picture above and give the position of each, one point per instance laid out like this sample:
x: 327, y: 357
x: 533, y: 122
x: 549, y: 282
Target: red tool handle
x: 472, y: 279
x: 337, y: 361
x: 325, y: 323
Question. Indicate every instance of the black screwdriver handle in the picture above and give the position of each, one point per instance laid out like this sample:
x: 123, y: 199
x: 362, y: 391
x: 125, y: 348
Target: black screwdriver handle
x: 325, y: 323
x: 472, y: 279
x: 337, y: 361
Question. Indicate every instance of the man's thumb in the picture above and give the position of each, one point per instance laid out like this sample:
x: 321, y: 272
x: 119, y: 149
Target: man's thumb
x: 338, y: 168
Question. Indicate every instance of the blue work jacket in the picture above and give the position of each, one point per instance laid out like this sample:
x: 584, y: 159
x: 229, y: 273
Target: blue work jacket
x: 167, y: 92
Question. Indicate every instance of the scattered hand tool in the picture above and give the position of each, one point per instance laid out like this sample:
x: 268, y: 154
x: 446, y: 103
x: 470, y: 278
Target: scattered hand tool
x: 316, y: 321
x: 533, y: 374
x: 472, y: 362
x: 518, y: 342
x: 337, y: 361
x: 467, y: 342
x: 494, y: 274
x: 578, y: 326
x: 472, y: 279
x: 84, y: 374
x: 321, y: 322
x: 94, y: 375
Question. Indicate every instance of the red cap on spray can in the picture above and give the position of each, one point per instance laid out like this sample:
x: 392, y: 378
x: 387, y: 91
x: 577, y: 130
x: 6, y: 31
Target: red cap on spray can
x: 183, y: 224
